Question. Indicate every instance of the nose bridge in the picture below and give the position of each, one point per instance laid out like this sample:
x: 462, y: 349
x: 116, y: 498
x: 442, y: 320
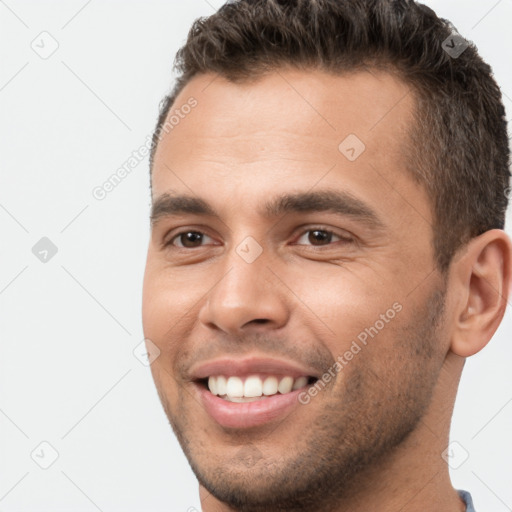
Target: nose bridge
x: 246, y: 292
x: 245, y: 280
x: 239, y: 287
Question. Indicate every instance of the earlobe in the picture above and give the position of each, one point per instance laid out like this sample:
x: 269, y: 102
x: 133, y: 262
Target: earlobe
x: 482, y: 278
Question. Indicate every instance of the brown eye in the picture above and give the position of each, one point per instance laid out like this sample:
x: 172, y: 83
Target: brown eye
x: 318, y: 237
x: 189, y: 239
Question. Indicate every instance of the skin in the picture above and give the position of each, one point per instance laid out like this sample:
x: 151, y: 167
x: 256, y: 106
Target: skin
x: 373, y: 438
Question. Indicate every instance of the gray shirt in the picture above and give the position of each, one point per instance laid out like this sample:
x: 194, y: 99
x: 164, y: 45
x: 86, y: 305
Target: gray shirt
x: 467, y: 498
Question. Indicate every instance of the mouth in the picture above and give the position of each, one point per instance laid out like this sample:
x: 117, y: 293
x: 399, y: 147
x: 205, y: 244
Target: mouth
x: 250, y: 393
x: 251, y: 388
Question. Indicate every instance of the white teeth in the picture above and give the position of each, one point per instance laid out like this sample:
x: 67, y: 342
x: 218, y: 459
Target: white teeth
x: 300, y: 383
x: 236, y: 389
x: 212, y: 385
x: 221, y: 385
x: 253, y: 386
x: 270, y: 386
x: 285, y: 385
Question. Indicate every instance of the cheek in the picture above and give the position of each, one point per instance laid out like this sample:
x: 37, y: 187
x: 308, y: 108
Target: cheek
x: 159, y: 307
x: 159, y: 319
x: 169, y: 310
x: 347, y: 304
x: 163, y: 298
x: 150, y: 303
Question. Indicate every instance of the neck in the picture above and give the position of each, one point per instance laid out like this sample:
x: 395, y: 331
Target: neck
x: 415, y: 477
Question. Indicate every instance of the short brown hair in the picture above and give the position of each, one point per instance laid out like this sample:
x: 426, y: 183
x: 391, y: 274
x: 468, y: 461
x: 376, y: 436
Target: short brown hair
x: 458, y: 148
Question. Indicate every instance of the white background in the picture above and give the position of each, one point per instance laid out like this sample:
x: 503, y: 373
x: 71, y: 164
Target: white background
x: 68, y: 327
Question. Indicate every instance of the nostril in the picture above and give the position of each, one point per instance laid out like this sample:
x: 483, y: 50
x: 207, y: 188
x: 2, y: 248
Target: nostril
x: 260, y: 320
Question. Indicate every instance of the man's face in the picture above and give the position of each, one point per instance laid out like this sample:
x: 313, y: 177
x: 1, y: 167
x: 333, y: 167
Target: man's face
x: 310, y: 257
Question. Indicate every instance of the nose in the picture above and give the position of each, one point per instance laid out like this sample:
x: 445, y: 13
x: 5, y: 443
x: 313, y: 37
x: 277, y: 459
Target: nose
x: 247, y: 296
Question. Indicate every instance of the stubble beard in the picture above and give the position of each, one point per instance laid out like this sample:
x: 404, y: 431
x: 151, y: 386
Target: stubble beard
x: 361, y: 425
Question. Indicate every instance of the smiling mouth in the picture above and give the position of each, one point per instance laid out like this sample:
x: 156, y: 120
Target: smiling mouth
x: 251, y: 388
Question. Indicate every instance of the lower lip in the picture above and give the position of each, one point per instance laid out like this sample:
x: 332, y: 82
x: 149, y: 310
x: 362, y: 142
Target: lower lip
x: 248, y: 414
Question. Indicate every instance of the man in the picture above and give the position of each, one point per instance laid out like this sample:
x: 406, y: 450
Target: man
x: 329, y: 188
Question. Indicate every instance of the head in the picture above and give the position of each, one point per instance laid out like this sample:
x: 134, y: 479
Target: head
x: 329, y: 207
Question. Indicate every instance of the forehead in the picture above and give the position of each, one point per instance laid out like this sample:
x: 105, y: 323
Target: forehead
x: 329, y: 103
x: 287, y: 129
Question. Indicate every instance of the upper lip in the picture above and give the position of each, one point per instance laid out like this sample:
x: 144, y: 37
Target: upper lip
x: 250, y: 365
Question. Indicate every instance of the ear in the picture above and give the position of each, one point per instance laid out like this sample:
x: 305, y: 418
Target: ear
x: 481, y: 284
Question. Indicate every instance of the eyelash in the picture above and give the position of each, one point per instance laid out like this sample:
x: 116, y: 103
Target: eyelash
x: 343, y: 239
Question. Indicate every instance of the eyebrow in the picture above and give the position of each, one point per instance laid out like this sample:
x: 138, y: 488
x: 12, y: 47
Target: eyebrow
x: 338, y: 202
x: 170, y: 204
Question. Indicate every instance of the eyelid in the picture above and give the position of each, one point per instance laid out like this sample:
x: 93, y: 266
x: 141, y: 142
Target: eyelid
x: 342, y: 234
x: 299, y: 232
x: 178, y: 235
x: 173, y: 234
